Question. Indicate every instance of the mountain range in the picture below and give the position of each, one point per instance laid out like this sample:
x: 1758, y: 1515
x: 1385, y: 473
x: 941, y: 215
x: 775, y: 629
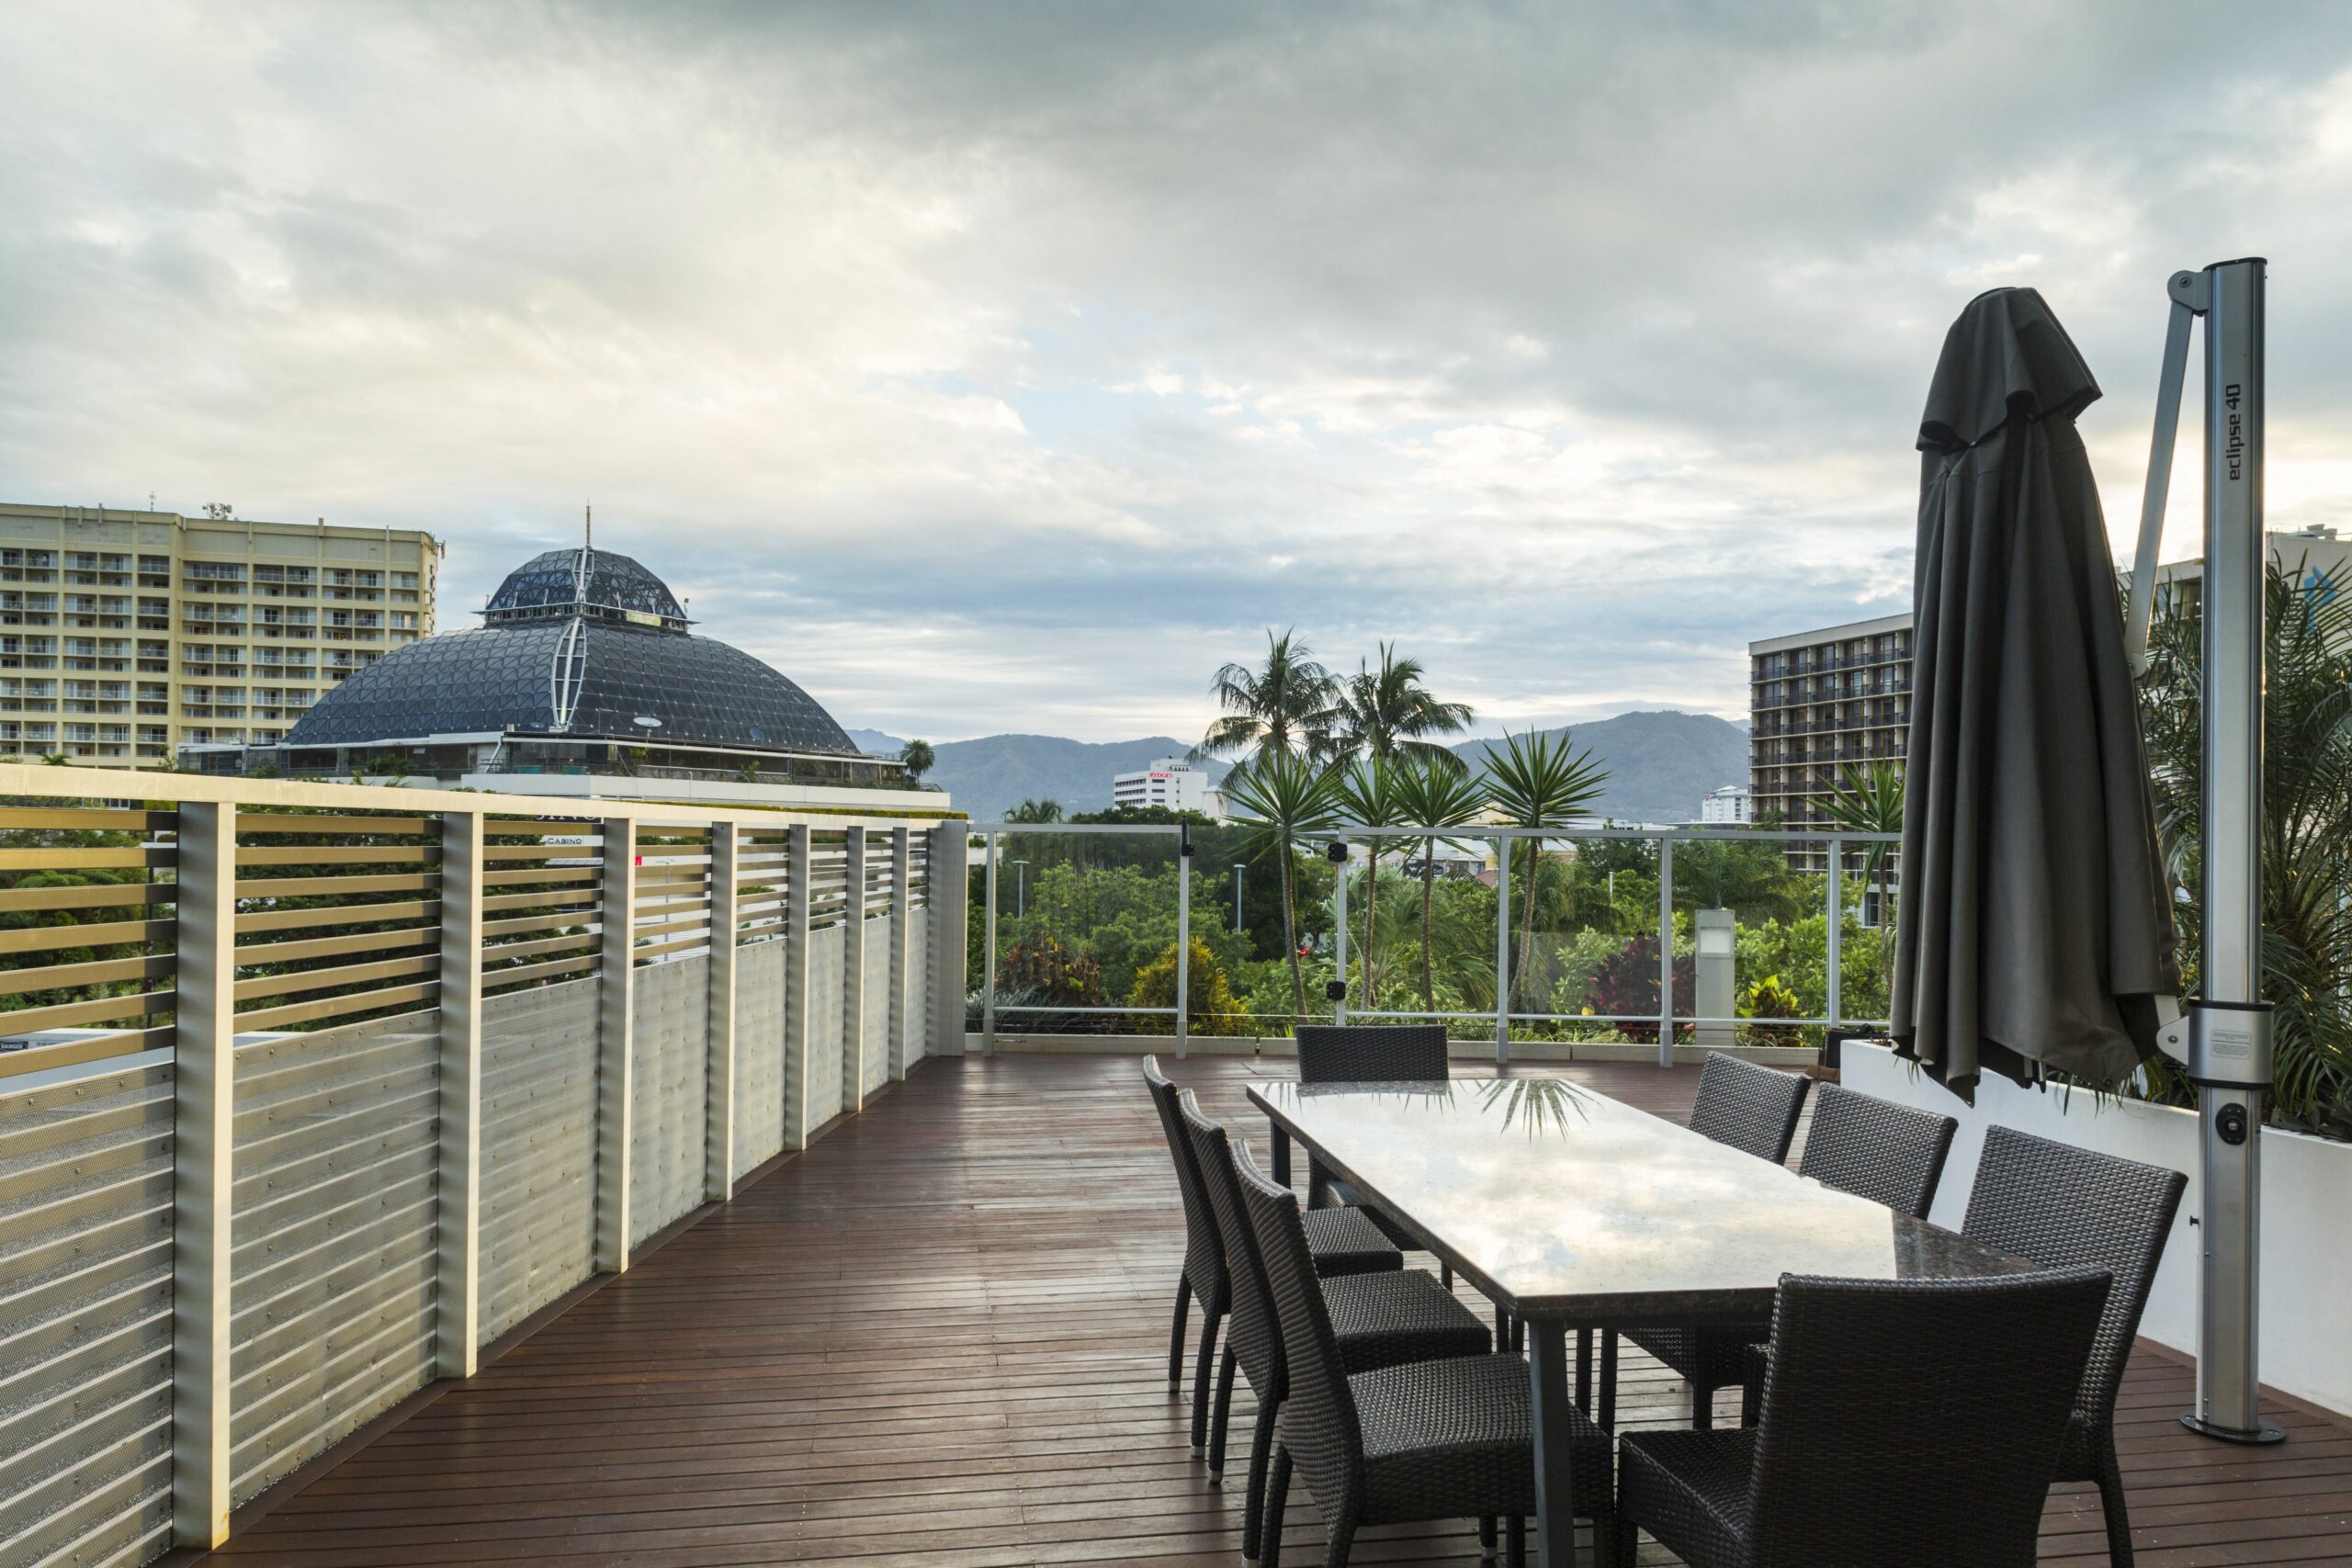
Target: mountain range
x: 1659, y: 764
x: 991, y: 775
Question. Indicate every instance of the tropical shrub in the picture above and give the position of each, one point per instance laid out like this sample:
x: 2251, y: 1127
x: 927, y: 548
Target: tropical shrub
x: 1211, y: 1005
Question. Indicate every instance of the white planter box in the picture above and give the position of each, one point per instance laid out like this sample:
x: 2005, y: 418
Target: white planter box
x: 2306, y: 1211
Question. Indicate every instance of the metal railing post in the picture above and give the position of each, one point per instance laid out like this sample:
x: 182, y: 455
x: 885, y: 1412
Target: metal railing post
x: 204, y: 1095
x: 902, y: 903
x: 1503, y: 951
x: 457, y: 1286
x: 1183, y: 941
x: 1338, y: 853
x: 719, y: 1045
x: 988, y: 996
x: 616, y: 1031
x: 1837, y: 932
x: 796, y: 985
x: 1665, y: 951
x: 853, y: 1043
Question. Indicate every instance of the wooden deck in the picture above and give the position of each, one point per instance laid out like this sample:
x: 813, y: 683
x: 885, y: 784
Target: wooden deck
x: 938, y: 1338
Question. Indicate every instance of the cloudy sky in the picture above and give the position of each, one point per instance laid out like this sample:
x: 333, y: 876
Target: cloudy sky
x: 1004, y: 366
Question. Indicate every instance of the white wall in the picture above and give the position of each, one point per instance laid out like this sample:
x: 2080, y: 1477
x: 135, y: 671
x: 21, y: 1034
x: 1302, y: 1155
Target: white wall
x: 2306, y: 1211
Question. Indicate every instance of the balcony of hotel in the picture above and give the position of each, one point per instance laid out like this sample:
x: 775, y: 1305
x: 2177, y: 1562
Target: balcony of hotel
x: 470, y: 1181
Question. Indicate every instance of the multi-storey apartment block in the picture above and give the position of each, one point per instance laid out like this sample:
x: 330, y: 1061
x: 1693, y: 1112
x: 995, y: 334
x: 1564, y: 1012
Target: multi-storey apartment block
x: 126, y: 634
x: 1824, y: 705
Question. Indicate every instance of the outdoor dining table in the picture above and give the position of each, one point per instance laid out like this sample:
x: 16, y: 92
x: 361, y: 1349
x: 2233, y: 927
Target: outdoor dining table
x: 1569, y: 1209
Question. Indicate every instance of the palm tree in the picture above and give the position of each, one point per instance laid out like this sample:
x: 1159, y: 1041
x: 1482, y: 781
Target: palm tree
x: 1038, y: 811
x: 1872, y: 801
x: 1752, y: 880
x: 1433, y: 794
x: 1288, y: 795
x: 917, y: 758
x: 1283, y: 707
x: 1536, y: 782
x: 1386, y: 713
x: 1366, y: 793
x: 2306, y: 825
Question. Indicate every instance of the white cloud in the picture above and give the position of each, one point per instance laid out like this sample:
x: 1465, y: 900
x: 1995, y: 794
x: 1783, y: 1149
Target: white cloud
x: 951, y: 357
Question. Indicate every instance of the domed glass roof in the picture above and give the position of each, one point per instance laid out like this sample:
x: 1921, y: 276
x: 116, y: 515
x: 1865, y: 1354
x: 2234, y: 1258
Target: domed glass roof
x: 580, y: 644
x: 585, y: 581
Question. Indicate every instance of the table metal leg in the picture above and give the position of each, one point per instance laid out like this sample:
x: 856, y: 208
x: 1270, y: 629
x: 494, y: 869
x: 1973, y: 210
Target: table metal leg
x: 1281, y: 1157
x: 1555, y: 1515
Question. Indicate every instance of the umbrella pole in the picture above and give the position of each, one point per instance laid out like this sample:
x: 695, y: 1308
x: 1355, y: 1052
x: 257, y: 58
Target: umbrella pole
x: 2230, y: 1025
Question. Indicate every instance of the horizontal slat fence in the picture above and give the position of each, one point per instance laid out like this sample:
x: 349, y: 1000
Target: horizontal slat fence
x: 258, y: 1184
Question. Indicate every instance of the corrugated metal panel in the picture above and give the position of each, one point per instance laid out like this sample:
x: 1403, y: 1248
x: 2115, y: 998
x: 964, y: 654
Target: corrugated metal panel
x: 878, y: 1004
x: 918, y: 1035
x: 85, y: 1334
x: 825, y: 977
x: 758, y: 1053
x: 666, y: 1123
x: 538, y: 1149
x: 332, y: 1235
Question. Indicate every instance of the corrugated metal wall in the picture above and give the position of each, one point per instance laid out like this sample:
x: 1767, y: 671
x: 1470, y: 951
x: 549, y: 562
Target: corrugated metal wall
x: 85, y: 1331
x: 824, y: 979
x: 758, y: 1053
x: 878, y: 1004
x: 672, y: 1034
x: 333, y: 1232
x: 538, y: 1149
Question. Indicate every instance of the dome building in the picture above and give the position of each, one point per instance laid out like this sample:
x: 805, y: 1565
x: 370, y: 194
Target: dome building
x: 584, y: 665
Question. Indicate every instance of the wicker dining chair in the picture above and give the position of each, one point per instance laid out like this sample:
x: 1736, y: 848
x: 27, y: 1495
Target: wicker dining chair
x: 1360, y: 1053
x: 1751, y: 1109
x: 1377, y: 1320
x: 1950, y: 1475
x: 1858, y: 1144
x: 1429, y: 1440
x: 2068, y: 1207
x: 1344, y: 1241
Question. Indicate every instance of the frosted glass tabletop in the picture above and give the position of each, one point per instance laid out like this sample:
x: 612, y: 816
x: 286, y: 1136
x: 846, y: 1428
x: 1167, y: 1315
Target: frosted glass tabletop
x: 1559, y: 1201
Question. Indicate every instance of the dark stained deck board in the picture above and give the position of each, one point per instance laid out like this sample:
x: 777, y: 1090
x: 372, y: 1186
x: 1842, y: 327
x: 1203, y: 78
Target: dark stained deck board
x: 939, y: 1337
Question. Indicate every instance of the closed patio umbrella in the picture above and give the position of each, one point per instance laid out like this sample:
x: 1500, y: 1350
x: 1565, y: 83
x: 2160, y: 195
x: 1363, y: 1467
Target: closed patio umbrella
x: 2035, y: 931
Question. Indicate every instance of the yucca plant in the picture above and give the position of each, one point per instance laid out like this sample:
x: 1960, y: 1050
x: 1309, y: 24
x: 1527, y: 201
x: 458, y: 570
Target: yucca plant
x: 1871, y: 801
x: 1435, y: 793
x: 1536, y: 782
x: 1367, y: 796
x: 2306, y: 829
x: 1287, y: 795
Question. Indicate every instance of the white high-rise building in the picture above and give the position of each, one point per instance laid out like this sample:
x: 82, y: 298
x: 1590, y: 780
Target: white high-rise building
x: 1727, y: 804
x: 1170, y: 782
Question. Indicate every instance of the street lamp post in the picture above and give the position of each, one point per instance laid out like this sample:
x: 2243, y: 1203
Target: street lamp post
x: 1238, y: 867
x: 1021, y: 890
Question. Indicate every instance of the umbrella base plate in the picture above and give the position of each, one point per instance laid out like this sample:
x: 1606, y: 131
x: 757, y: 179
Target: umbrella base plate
x: 2263, y: 1433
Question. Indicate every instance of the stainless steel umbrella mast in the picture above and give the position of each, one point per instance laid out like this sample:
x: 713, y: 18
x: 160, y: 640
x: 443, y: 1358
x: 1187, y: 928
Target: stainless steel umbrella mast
x: 2225, y: 1040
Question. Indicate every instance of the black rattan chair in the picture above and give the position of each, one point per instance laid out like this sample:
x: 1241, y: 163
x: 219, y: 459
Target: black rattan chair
x: 2067, y: 1207
x: 1343, y: 1240
x: 1377, y: 1320
x: 1858, y: 1144
x: 1749, y: 1108
x: 1356, y: 1052
x: 1950, y: 1474
x: 1431, y: 1440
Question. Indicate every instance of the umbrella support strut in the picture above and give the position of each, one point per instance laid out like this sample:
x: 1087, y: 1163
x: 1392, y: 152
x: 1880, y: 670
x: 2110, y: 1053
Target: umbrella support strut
x: 2225, y: 1039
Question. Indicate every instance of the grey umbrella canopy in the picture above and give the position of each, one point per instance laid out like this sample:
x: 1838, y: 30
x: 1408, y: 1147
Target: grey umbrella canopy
x: 2035, y: 929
